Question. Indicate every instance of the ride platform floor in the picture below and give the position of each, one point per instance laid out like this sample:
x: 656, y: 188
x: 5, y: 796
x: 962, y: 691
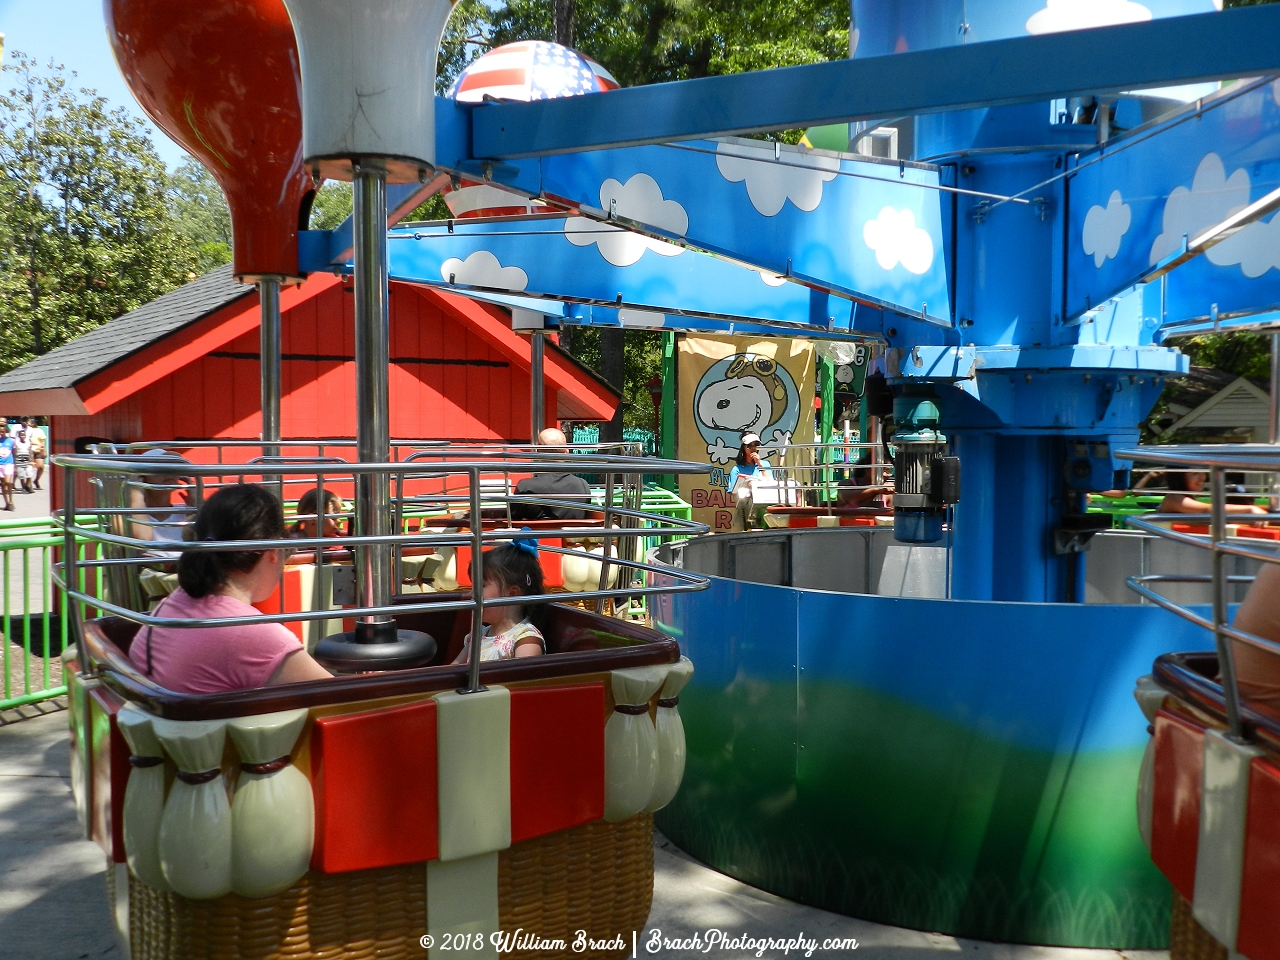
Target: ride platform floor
x: 53, y: 896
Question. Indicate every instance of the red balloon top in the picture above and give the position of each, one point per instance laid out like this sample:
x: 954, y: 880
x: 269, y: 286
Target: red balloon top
x: 222, y: 79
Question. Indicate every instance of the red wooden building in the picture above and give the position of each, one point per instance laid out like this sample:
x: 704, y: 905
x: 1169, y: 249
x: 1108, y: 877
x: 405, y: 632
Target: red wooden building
x: 185, y: 367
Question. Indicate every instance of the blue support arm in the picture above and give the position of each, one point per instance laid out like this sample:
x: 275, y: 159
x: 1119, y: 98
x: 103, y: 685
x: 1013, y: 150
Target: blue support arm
x: 1240, y: 42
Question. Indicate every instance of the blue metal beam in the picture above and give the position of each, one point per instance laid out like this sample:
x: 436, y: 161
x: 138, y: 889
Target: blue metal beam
x: 1235, y: 43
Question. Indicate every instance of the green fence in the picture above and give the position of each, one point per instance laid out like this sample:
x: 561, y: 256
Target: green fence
x: 34, y: 633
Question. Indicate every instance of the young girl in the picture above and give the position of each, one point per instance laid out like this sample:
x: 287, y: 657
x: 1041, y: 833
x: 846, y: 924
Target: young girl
x: 510, y: 570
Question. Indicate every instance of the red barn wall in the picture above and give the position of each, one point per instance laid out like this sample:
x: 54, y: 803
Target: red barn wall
x: 446, y: 382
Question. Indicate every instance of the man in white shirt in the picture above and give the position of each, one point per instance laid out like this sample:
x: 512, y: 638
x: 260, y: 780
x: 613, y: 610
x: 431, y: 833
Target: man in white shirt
x: 22, y: 460
x: 39, y: 448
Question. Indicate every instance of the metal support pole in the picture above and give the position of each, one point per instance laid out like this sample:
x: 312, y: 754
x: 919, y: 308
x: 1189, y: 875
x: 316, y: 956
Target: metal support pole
x: 537, y: 347
x: 477, y: 586
x: 1226, y: 653
x: 1274, y: 505
x: 373, y: 438
x: 70, y: 572
x: 1275, y: 388
x: 269, y: 363
x: 608, y: 519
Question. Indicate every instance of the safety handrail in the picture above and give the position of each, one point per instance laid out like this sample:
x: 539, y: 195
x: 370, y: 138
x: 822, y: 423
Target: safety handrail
x: 1215, y: 459
x: 471, y: 464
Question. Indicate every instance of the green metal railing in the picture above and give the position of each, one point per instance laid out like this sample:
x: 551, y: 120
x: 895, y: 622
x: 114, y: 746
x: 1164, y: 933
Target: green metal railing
x: 34, y: 634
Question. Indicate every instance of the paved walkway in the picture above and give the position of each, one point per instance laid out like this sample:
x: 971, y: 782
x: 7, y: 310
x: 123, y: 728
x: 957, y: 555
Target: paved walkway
x: 53, y: 897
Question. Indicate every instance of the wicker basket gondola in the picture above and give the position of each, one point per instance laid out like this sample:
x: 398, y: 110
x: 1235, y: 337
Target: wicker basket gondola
x: 597, y: 878
x: 1187, y: 939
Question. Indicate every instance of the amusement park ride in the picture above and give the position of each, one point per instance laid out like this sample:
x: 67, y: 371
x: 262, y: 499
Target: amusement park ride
x: 963, y: 761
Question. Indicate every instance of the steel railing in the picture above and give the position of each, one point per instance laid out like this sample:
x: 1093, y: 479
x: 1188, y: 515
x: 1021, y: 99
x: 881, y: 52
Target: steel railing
x: 34, y: 630
x: 1215, y: 460
x: 107, y: 524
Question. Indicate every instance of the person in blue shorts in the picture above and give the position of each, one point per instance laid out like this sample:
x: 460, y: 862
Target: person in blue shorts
x: 6, y: 465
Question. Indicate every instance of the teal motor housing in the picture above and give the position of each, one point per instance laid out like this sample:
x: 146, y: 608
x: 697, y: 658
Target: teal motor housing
x: 925, y: 479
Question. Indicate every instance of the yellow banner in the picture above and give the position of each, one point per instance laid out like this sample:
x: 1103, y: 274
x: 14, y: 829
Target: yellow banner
x: 735, y: 385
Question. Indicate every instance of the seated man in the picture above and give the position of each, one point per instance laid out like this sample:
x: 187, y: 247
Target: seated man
x: 153, y: 494
x: 857, y: 490
x: 552, y: 486
x: 1181, y: 499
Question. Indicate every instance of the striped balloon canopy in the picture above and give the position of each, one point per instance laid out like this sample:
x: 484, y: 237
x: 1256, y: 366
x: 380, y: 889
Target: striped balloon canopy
x: 524, y: 71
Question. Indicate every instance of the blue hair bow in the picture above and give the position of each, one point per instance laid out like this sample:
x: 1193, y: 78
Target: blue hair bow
x: 528, y: 544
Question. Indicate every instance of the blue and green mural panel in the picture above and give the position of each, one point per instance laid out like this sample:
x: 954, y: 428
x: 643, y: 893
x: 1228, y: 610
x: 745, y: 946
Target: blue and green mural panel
x: 965, y: 767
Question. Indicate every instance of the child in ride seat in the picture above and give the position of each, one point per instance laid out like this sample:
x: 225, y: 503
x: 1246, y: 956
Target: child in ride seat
x: 511, y: 570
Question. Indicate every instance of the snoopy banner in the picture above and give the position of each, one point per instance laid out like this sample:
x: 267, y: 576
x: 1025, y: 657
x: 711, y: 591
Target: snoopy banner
x: 730, y: 386
x: 1140, y: 201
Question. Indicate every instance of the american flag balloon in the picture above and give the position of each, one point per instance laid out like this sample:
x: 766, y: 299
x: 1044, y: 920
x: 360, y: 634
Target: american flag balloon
x: 529, y: 70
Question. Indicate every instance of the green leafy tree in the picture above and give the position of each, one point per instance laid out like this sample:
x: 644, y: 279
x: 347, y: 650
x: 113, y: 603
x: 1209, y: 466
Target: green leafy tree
x: 201, y: 214
x: 656, y: 41
x: 86, y: 228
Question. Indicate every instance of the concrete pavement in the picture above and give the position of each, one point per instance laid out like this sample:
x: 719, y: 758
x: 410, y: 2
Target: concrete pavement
x: 53, y: 894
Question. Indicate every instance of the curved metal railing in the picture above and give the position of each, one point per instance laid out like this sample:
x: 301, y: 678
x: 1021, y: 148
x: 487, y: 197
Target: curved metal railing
x: 108, y: 522
x: 1214, y: 460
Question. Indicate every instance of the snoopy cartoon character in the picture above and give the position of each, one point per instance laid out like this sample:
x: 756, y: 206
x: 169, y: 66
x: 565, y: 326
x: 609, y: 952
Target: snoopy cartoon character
x: 746, y: 393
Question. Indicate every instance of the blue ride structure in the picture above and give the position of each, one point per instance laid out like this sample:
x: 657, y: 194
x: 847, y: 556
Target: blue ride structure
x: 930, y: 726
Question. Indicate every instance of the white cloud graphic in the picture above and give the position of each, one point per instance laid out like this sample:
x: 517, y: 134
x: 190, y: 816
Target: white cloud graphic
x: 482, y: 269
x: 1212, y: 198
x: 772, y: 279
x: 895, y: 238
x: 1103, y: 228
x: 1256, y: 249
x: 798, y: 177
x: 639, y: 199
x: 1060, y: 15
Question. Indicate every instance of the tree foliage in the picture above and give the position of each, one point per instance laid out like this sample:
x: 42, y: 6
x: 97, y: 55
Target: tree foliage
x: 654, y: 41
x: 202, y: 214
x: 86, y: 226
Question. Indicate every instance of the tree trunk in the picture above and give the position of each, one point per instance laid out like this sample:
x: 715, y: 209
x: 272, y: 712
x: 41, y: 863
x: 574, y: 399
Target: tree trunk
x: 562, y: 21
x: 612, y: 344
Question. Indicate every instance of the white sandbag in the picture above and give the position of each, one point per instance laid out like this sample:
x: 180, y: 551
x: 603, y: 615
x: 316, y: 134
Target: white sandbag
x: 669, y: 729
x: 143, y: 797
x: 272, y: 814
x: 630, y: 743
x: 446, y: 577
x: 580, y: 570
x: 195, y: 829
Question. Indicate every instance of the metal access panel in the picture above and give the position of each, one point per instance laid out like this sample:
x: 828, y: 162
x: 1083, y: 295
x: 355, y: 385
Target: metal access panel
x: 759, y: 560
x: 1116, y: 555
x: 831, y: 560
x: 704, y: 556
x: 907, y: 570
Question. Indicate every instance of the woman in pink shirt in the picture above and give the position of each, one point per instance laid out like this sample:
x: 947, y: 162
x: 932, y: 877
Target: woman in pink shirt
x: 226, y: 584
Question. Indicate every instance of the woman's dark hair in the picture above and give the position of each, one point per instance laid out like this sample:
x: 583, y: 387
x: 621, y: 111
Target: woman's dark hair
x: 513, y: 566
x: 243, y: 512
x: 1177, y: 480
x: 741, y: 459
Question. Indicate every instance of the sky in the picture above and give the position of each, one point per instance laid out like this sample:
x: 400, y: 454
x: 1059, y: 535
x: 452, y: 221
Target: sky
x: 73, y: 33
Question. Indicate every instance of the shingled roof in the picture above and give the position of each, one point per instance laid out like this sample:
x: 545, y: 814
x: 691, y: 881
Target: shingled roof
x: 110, y: 343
